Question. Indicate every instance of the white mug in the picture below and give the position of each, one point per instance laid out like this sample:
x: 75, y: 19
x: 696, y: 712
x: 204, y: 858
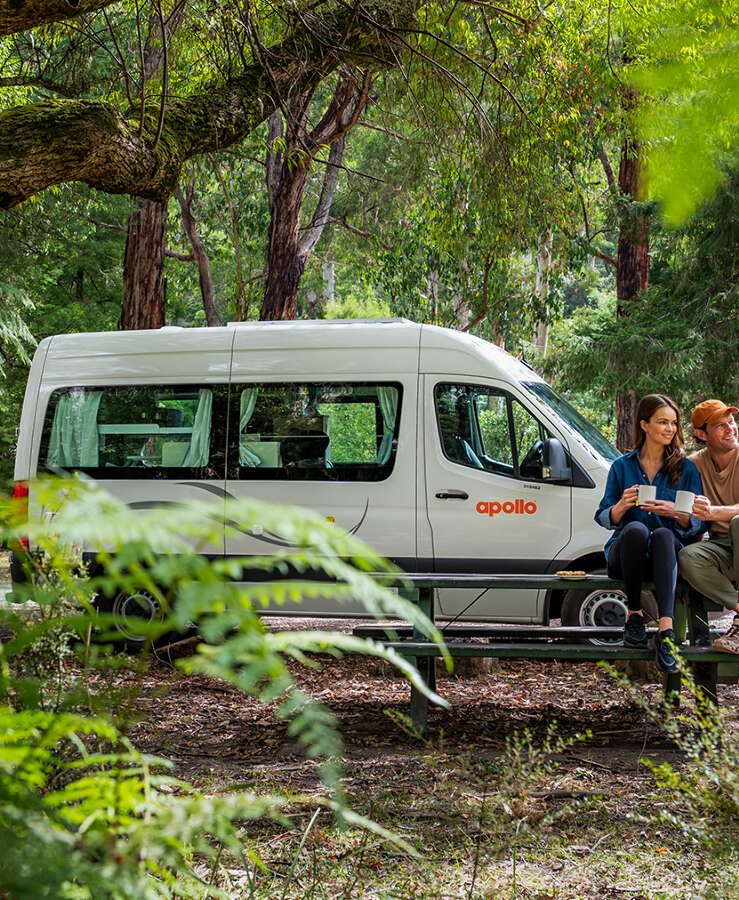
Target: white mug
x: 646, y: 492
x: 684, y: 502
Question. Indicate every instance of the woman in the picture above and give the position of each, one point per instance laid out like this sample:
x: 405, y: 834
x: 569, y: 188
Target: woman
x: 648, y: 536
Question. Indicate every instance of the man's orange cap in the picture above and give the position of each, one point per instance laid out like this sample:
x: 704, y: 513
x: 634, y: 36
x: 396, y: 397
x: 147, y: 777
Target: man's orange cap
x: 708, y: 410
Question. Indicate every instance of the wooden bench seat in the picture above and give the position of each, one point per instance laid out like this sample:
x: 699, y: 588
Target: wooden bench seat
x: 536, y: 641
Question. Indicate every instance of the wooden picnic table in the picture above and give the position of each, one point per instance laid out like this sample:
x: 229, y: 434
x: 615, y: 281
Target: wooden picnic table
x: 573, y: 644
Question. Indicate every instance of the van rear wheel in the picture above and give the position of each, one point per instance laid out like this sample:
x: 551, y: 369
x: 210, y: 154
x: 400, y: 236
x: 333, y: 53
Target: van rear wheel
x: 133, y: 613
x: 603, y: 608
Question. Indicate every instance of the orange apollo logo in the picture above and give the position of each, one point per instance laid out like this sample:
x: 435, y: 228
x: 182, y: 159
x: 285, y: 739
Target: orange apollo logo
x: 516, y: 507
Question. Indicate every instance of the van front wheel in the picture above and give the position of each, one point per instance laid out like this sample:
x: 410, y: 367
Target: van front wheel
x: 602, y: 607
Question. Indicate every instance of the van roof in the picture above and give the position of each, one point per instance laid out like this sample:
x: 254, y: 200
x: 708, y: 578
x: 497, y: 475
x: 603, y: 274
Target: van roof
x: 391, y: 344
x: 317, y: 322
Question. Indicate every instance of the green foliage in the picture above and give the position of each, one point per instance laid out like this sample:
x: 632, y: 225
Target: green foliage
x: 691, y: 77
x: 681, y: 338
x: 82, y: 812
x: 14, y: 334
x: 86, y: 815
x: 704, y: 788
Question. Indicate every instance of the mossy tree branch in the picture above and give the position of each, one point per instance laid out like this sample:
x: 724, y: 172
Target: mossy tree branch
x: 20, y: 15
x: 100, y: 144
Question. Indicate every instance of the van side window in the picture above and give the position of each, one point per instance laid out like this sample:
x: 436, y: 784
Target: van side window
x: 484, y: 428
x: 133, y: 431
x: 316, y: 431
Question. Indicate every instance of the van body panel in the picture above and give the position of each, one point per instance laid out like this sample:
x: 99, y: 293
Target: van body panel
x: 305, y: 352
x: 482, y: 521
x: 443, y: 350
x: 128, y: 357
x: 24, y: 456
x: 539, y: 527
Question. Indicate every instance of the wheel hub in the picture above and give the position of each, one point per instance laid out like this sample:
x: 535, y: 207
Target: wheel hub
x: 604, y: 609
x: 133, y: 612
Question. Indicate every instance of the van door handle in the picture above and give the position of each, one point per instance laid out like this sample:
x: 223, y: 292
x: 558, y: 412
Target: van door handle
x: 453, y: 495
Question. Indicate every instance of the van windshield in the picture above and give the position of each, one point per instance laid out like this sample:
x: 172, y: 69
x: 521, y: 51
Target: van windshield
x: 576, y: 421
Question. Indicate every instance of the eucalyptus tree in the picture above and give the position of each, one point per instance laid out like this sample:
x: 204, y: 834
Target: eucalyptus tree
x: 484, y: 134
x: 291, y: 150
x: 213, y: 73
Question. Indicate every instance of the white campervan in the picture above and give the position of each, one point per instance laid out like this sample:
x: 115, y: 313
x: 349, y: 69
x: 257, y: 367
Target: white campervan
x: 438, y: 449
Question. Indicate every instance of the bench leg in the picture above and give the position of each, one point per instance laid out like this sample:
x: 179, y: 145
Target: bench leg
x: 680, y: 618
x: 672, y: 688
x: 426, y: 666
x: 419, y: 701
x: 705, y: 675
x: 698, y: 626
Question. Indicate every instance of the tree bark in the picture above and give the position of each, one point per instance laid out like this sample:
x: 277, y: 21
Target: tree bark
x: 541, y: 287
x: 207, y: 291
x: 143, y: 262
x: 144, y: 284
x: 632, y: 267
x: 287, y: 172
x: 632, y: 261
x: 285, y: 263
x: 20, y: 15
x: 626, y: 404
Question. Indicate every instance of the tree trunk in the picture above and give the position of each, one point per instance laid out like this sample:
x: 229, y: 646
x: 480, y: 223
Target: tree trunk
x: 626, y: 404
x: 285, y: 263
x: 144, y: 286
x: 207, y: 291
x: 632, y: 268
x: 287, y: 249
x: 541, y: 288
x: 632, y: 262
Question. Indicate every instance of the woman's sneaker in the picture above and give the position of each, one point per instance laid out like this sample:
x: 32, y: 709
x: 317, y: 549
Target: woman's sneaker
x: 635, y: 634
x: 729, y: 642
x: 666, y: 651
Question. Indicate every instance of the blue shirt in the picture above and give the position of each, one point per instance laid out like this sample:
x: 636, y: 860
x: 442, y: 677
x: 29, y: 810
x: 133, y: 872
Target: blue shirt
x: 626, y: 471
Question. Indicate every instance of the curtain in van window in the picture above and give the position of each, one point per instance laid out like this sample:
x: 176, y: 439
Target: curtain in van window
x: 74, y: 437
x: 198, y: 452
x: 247, y: 406
x: 388, y: 397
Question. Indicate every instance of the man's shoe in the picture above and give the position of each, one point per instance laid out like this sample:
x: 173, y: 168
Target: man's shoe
x: 729, y: 642
x: 635, y: 634
x: 666, y: 651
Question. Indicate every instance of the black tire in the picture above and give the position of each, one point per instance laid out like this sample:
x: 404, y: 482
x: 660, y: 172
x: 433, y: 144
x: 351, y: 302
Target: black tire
x: 604, y: 607
x: 133, y: 612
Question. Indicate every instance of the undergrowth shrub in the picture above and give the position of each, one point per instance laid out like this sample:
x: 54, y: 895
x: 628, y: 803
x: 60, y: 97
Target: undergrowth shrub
x: 704, y: 788
x: 83, y: 814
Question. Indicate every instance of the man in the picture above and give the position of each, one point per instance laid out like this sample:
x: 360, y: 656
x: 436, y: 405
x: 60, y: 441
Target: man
x: 712, y: 566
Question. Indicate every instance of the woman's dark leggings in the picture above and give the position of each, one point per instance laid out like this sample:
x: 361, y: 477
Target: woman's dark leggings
x: 633, y: 558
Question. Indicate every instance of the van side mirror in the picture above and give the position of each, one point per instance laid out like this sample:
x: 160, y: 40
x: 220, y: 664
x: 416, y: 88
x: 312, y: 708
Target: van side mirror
x: 556, y: 466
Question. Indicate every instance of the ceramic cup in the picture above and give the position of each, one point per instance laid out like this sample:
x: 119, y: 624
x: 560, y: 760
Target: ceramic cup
x: 684, y: 502
x: 646, y: 492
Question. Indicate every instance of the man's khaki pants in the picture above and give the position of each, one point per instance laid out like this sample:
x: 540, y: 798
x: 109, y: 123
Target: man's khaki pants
x: 711, y: 566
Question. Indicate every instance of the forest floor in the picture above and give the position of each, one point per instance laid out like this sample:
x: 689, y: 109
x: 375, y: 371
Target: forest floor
x: 487, y: 819
x: 491, y: 804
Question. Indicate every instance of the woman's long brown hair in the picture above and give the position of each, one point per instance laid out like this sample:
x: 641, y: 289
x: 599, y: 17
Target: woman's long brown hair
x: 674, y: 451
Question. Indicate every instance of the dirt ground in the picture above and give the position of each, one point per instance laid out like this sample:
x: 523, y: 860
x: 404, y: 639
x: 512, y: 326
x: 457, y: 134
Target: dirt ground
x: 197, y: 721
x: 433, y: 791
